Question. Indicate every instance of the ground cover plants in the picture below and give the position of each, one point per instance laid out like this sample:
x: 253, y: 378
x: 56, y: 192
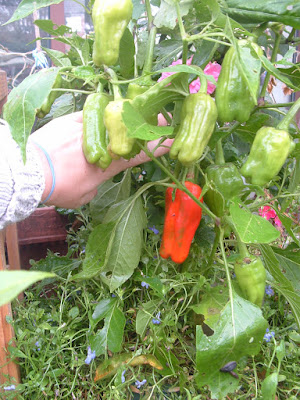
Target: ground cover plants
x: 182, y: 276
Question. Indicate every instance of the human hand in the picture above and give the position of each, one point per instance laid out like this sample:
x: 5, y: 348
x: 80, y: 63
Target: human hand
x: 76, y: 179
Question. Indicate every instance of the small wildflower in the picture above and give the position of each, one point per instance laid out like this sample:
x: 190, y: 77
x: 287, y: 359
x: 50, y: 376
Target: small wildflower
x: 154, y: 230
x: 139, y: 384
x: 269, y: 290
x: 156, y: 320
x: 91, y: 355
x: 268, y: 335
x: 38, y: 345
x: 123, y: 376
x: 145, y: 284
x: 9, y: 388
x: 113, y: 295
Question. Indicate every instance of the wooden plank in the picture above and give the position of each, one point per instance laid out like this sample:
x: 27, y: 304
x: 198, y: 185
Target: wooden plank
x: 12, y: 247
x: 7, y: 368
x: 44, y: 225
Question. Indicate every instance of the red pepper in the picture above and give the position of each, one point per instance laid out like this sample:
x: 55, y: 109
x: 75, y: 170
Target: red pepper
x: 182, y: 218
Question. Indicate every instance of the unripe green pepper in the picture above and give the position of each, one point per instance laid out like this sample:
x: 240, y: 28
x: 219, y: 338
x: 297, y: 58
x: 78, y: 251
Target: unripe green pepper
x: 95, y: 138
x: 120, y: 145
x: 251, y: 277
x: 233, y: 98
x: 269, y: 152
x: 53, y: 95
x: 198, y: 119
x: 135, y: 89
x: 110, y: 19
x: 227, y: 180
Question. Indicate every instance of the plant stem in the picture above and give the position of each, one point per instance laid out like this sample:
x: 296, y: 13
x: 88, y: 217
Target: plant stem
x: 116, y: 89
x: 230, y: 290
x: 151, y: 41
x: 277, y: 105
x: 219, y: 153
x: 273, y: 59
x: 179, y: 184
x: 285, y: 122
x: 293, y: 185
x: 182, y: 33
x: 214, y: 248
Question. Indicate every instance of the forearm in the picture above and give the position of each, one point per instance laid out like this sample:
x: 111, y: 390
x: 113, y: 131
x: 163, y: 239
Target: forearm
x: 21, y: 186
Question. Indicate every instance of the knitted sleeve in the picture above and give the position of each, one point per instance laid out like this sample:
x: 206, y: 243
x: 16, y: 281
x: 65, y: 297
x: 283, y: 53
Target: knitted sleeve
x: 21, y: 185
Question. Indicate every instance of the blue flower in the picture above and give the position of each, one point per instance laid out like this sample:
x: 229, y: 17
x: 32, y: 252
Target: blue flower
x: 145, y: 284
x: 156, y: 320
x: 8, y: 388
x: 38, y: 345
x: 91, y: 355
x: 268, y: 335
x: 40, y: 59
x: 123, y: 377
x: 139, y: 384
x: 269, y: 290
x: 154, y: 230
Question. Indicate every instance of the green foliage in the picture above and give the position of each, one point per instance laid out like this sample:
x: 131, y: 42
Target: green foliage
x: 185, y: 329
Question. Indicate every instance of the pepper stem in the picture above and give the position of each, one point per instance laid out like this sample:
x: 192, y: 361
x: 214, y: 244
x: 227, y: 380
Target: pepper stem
x: 150, y: 49
x: 219, y: 153
x: 116, y: 89
x: 203, y: 82
x: 285, y: 122
x: 243, y: 251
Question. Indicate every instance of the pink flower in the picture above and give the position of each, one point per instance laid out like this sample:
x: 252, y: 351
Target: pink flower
x: 213, y: 69
x: 268, y: 213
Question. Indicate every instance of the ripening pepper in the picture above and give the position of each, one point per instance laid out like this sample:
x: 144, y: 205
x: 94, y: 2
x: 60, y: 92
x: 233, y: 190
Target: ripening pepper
x: 227, y: 180
x: 233, y: 98
x: 53, y: 95
x: 110, y: 19
x: 95, y: 138
x: 120, y: 144
x: 182, y: 218
x: 198, y: 119
x: 251, y: 277
x: 268, y: 153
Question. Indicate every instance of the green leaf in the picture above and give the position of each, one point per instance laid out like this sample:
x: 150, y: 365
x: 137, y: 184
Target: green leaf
x: 126, y: 55
x: 110, y: 337
x: 284, y: 11
x: 139, y: 128
x: 59, y: 59
x: 252, y: 228
x: 289, y: 262
x: 282, y: 75
x: 103, y: 308
x: 54, y: 30
x: 238, y: 333
x: 281, y: 282
x: 109, y: 193
x: 27, y: 7
x: 189, y: 69
x: 84, y: 72
x: 14, y: 282
x: 22, y: 102
x: 269, y: 386
x: 95, y: 251
x: 144, y: 316
x: 126, y: 240
x: 167, y: 15
x: 138, y: 9
x: 156, y: 284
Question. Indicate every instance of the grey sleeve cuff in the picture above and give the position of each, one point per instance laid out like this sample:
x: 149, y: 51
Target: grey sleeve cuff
x: 21, y: 186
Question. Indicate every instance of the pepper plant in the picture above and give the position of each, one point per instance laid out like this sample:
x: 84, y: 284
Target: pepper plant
x: 178, y: 250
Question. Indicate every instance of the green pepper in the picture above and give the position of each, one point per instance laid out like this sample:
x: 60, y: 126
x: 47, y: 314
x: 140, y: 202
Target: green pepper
x: 198, y: 119
x: 269, y: 152
x: 135, y: 89
x: 95, y: 138
x: 120, y: 144
x: 110, y: 19
x: 53, y: 95
x: 227, y: 180
x: 251, y: 277
x: 233, y: 98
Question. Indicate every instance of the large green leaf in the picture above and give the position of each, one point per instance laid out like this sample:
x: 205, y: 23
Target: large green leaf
x: 27, y: 7
x: 138, y: 128
x: 14, y: 282
x: 238, y: 333
x: 281, y: 282
x: 126, y: 241
x: 22, y: 102
x: 167, y: 15
x: 126, y: 56
x: 110, y: 337
x: 144, y: 316
x: 109, y: 193
x: 252, y: 228
x: 257, y: 11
